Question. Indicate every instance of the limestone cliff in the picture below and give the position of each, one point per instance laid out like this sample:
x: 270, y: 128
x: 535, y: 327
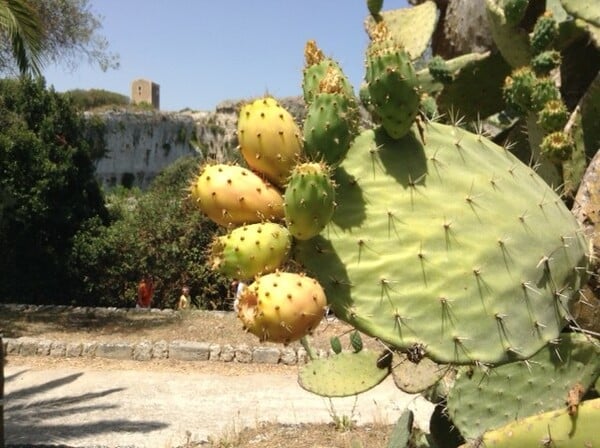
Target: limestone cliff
x: 134, y: 146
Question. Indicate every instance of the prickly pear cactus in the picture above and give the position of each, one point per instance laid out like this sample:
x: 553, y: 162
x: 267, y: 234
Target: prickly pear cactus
x: 445, y: 240
x: 331, y: 119
x: 282, y: 307
x: 391, y: 82
x: 561, y: 428
x: 490, y: 398
x: 329, y: 377
x: 251, y: 250
x: 270, y: 140
x: 232, y: 195
x: 309, y: 200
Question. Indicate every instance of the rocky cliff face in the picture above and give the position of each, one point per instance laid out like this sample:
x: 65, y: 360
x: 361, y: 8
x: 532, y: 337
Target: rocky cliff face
x: 136, y: 146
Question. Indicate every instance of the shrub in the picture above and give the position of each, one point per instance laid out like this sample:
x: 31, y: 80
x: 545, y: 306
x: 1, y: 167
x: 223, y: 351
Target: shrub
x: 157, y: 232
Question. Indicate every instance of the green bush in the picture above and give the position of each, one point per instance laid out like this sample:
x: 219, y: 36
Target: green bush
x: 47, y: 191
x: 158, y: 232
x: 94, y: 98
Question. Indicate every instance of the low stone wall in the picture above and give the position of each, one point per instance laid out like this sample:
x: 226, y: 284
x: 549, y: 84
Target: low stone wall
x: 179, y: 350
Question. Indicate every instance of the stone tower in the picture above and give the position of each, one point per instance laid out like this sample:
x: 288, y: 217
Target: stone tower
x: 145, y: 91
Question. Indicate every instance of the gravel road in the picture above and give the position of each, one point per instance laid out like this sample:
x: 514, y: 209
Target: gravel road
x: 86, y: 407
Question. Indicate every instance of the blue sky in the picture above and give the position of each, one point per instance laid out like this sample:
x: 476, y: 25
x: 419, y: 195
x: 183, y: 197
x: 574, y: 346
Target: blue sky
x: 202, y: 52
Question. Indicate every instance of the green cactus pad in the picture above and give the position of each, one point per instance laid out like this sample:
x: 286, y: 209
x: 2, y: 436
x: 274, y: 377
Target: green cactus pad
x: 587, y: 10
x: 342, y: 375
x: 251, y: 250
x: 410, y: 27
x: 330, y: 126
x: 392, y: 85
x: 414, y: 378
x: 544, y: 33
x: 484, y: 400
x: 455, y: 245
x: 512, y: 41
x: 556, y: 429
x: 309, y: 200
x: 488, y: 72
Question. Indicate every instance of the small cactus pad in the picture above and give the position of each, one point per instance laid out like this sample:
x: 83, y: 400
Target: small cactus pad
x: 392, y: 83
x: 309, y: 200
x: 270, y: 139
x: 454, y: 245
x: 411, y: 27
x: 342, y: 375
x: 487, y: 399
x: 282, y: 306
x: 414, y: 378
x: 556, y: 429
x: 251, y: 250
x: 232, y: 195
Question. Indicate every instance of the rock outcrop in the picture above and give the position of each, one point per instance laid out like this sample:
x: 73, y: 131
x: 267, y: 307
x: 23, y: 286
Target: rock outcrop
x: 134, y: 146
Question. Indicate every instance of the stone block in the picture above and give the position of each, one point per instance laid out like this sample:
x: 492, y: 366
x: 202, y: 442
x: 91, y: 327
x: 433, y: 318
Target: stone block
x: 142, y: 351
x: 58, y: 348
x: 74, y: 349
x: 43, y: 348
x: 227, y: 353
x: 12, y: 346
x: 289, y: 357
x: 88, y: 349
x: 215, y: 352
x: 266, y: 355
x: 243, y: 354
x: 160, y: 350
x: 28, y: 346
x: 189, y: 351
x: 114, y: 350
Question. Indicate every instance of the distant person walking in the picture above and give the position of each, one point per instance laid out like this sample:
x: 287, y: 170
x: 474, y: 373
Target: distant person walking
x: 145, y: 292
x: 185, y: 300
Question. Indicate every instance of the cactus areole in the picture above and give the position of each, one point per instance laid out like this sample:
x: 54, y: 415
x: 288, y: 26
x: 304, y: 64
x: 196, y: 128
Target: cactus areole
x: 452, y: 244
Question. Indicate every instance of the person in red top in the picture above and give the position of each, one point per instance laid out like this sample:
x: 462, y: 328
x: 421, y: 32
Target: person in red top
x: 145, y: 292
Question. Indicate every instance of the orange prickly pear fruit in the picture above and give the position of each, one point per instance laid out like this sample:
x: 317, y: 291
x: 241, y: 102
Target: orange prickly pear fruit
x: 231, y: 195
x: 282, y: 306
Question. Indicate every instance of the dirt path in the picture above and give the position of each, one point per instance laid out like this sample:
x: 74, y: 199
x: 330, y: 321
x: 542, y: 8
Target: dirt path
x: 81, y: 405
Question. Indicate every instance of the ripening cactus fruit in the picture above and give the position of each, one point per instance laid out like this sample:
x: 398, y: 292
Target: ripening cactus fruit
x: 231, y: 195
x: 269, y: 139
x: 332, y: 120
x: 309, y: 200
x: 282, y: 306
x: 557, y: 146
x: 544, y: 33
x: 553, y: 116
x: 316, y: 67
x: 251, y: 250
x: 392, y: 82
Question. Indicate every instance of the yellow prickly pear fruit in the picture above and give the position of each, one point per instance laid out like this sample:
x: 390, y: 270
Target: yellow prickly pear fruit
x: 269, y: 138
x: 232, y: 195
x: 282, y: 307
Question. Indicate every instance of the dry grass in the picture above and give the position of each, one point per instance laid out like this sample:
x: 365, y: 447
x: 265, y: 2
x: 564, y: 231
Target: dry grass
x: 144, y: 325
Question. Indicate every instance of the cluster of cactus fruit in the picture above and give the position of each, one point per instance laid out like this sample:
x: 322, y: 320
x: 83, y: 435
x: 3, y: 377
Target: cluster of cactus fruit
x: 441, y: 244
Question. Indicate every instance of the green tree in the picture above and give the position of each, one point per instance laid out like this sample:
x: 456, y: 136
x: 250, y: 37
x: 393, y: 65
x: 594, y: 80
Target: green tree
x: 49, y: 191
x: 70, y: 34
x: 21, y: 35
